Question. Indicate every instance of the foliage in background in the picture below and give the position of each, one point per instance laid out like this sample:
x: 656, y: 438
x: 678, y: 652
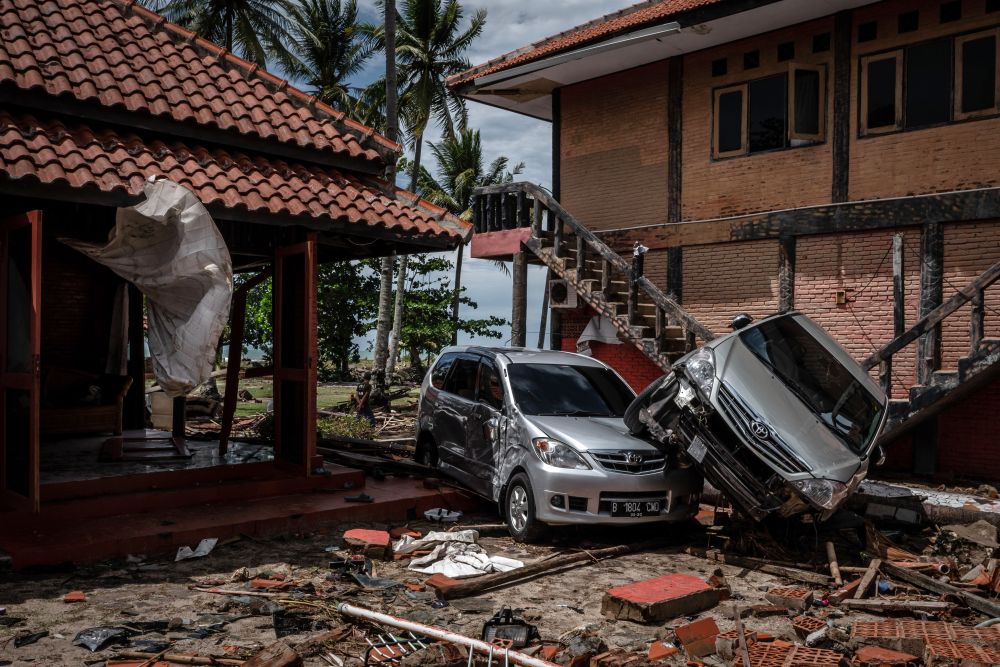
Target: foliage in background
x: 345, y: 426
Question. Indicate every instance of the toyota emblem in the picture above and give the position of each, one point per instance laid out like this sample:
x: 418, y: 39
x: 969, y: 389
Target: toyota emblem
x: 760, y: 430
x: 632, y: 458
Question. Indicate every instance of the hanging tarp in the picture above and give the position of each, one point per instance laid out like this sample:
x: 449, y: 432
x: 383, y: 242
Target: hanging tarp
x: 169, y: 247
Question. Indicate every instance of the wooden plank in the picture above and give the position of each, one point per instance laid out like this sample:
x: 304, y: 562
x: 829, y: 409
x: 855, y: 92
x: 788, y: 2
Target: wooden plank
x: 762, y: 565
x: 980, y: 604
x: 887, y: 605
x: 868, y: 578
x: 934, y: 317
x: 841, y: 140
x: 831, y: 556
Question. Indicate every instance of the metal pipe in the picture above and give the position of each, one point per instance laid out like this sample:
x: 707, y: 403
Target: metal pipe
x: 516, y: 657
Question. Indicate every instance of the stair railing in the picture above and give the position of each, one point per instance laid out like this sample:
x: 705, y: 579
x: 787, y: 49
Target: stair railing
x: 973, y: 292
x: 519, y: 205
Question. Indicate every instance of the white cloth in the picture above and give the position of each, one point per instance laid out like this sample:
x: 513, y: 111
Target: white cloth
x: 169, y: 247
x: 456, y: 555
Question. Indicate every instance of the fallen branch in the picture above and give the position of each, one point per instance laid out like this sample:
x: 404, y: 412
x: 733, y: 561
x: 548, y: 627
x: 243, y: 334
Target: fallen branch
x: 980, y: 604
x: 183, y: 658
x: 223, y: 591
x: 760, y: 565
x: 486, y: 582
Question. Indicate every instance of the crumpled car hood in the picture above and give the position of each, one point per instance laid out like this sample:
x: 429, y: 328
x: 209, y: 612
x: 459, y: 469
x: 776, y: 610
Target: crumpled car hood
x: 586, y: 433
x: 823, y: 453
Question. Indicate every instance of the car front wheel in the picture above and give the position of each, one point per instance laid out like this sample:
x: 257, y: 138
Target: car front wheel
x: 519, y: 511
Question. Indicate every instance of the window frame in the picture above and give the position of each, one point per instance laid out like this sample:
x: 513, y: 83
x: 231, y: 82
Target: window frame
x: 960, y: 40
x: 791, y: 135
x: 744, y: 90
x: 463, y: 356
x: 485, y: 363
x: 820, y: 135
x: 864, y: 63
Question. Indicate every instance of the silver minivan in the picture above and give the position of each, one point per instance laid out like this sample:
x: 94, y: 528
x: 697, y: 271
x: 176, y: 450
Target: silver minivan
x: 777, y: 415
x: 542, y: 434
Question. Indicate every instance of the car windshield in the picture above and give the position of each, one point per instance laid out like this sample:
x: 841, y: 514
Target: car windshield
x: 567, y: 390
x: 818, y: 379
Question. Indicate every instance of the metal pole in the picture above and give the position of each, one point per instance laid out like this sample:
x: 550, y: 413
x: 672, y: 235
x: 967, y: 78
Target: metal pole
x: 515, y: 657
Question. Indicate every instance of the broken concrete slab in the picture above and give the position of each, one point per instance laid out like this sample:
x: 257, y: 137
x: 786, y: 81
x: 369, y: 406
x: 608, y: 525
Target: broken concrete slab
x: 981, y: 532
x: 659, y: 599
x: 792, y: 598
x: 373, y: 543
x: 875, y: 656
x: 698, y: 638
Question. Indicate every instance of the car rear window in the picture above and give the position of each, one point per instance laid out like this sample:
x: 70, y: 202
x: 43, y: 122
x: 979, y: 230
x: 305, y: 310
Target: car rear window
x: 440, y: 372
x: 462, y: 381
x: 558, y: 389
x: 817, y: 378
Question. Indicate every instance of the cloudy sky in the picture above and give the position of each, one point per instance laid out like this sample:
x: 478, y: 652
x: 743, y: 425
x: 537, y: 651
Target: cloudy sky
x: 510, y: 24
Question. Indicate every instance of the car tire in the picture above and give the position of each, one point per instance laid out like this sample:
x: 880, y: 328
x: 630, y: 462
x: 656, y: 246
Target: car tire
x: 631, y: 416
x: 427, y: 453
x: 519, y: 511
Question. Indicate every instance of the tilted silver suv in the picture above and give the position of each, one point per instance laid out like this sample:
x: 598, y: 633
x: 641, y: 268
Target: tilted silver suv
x: 541, y: 434
x: 777, y: 415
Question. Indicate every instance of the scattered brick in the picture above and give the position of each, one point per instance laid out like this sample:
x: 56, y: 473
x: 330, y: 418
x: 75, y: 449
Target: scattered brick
x: 912, y: 636
x: 719, y: 583
x: 659, y: 599
x: 806, y: 625
x: 946, y: 652
x: 416, y: 588
x: 75, y: 596
x: 549, y: 652
x: 844, y: 592
x: 269, y: 584
x: 792, y: 598
x: 874, y: 656
x: 660, y: 650
x: 373, y: 543
x: 401, y: 531
x: 727, y: 644
x: 698, y: 638
x: 765, y: 610
x: 440, y: 582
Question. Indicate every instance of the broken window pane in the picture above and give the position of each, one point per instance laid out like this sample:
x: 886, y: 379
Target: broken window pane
x: 807, y: 101
x: 979, y: 74
x: 928, y: 83
x: 768, y: 112
x: 881, y: 93
x: 730, y: 121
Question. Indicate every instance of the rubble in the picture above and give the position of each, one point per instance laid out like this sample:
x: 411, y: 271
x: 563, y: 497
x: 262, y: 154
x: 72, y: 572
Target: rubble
x: 659, y: 599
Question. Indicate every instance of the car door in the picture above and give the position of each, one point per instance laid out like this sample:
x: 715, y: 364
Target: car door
x: 454, y: 407
x: 483, y: 434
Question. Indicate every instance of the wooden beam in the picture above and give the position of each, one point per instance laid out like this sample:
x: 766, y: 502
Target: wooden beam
x: 962, y: 206
x: 977, y: 321
x: 868, y: 578
x: 980, y: 604
x: 886, y: 605
x: 675, y: 136
x: 675, y: 274
x: 519, y: 300
x: 931, y: 292
x: 786, y: 273
x: 843, y: 25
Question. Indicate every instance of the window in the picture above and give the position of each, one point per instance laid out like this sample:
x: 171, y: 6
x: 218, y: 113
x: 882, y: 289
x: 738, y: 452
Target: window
x: 462, y: 381
x: 868, y: 31
x: 928, y: 83
x: 977, y: 86
x: 909, y: 21
x: 881, y: 93
x: 557, y: 389
x: 779, y: 111
x: 786, y: 51
x: 490, y: 388
x: 720, y: 67
x: 821, y: 42
x: 440, y: 372
x: 951, y: 11
x: 751, y: 59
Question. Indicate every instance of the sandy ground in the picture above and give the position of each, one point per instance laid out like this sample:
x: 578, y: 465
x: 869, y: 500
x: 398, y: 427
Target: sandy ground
x: 120, y: 593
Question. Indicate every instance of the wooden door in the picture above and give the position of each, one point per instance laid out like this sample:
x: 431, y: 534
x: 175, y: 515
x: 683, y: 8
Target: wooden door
x: 295, y: 355
x: 20, y: 343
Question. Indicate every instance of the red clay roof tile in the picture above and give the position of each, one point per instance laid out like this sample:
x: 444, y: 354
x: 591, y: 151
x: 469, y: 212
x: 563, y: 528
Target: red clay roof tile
x: 116, y: 53
x: 631, y: 18
x: 49, y: 152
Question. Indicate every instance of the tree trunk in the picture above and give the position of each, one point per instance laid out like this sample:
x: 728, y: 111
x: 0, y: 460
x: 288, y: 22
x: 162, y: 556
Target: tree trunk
x: 456, y: 299
x: 397, y: 322
x: 416, y: 365
x: 391, y: 133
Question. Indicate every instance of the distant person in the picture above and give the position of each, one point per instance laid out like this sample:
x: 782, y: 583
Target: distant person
x: 363, y: 399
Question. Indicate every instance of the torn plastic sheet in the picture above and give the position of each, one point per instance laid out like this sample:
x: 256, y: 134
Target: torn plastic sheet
x: 170, y: 249
x: 203, y: 549
x: 599, y: 329
x: 456, y: 555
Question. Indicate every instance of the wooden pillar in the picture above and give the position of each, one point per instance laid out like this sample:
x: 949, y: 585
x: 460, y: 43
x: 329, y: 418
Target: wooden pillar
x: 675, y: 273
x: 555, y: 336
x: 931, y: 294
x: 519, y: 302
x: 638, y: 261
x: 675, y: 136
x: 898, y: 308
x: 786, y: 273
x: 843, y: 26
x: 135, y: 400
x: 977, y: 322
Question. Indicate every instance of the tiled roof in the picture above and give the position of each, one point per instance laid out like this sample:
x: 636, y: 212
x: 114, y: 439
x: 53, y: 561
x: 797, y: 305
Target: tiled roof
x: 117, y: 54
x: 51, y: 153
x: 631, y: 18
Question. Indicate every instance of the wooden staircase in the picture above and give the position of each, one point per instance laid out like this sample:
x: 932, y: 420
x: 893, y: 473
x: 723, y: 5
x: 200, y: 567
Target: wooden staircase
x: 654, y: 323
x: 614, y: 287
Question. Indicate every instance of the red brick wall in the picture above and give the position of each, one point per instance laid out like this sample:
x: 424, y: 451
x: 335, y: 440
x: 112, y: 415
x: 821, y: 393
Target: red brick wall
x: 630, y: 363
x: 614, y: 148
x: 968, y: 438
x: 861, y: 265
x: 969, y: 249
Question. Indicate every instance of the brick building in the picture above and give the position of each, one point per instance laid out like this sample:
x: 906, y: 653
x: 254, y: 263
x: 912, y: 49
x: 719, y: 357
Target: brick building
x: 839, y: 158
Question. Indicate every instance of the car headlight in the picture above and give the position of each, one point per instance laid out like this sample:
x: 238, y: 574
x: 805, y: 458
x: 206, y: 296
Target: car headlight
x: 700, y: 370
x: 559, y: 454
x: 826, y: 494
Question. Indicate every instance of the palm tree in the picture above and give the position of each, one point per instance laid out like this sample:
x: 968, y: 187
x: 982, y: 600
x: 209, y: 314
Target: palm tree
x: 460, y: 172
x: 253, y: 29
x: 429, y: 48
x: 326, y: 49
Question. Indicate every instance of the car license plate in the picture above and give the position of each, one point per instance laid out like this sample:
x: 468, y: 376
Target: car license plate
x: 635, y: 509
x: 697, y: 449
